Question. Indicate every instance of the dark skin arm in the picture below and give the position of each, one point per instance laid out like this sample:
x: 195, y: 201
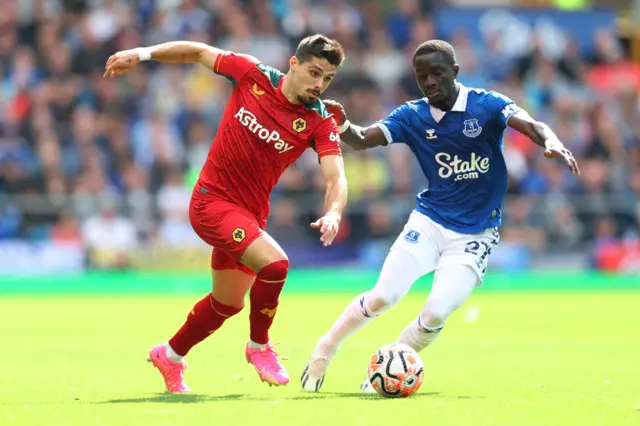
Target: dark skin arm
x: 360, y: 138
x: 356, y: 137
x: 543, y: 136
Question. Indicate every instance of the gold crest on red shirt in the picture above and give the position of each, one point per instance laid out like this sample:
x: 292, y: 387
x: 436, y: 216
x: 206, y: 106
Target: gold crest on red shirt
x: 299, y: 125
x: 239, y: 234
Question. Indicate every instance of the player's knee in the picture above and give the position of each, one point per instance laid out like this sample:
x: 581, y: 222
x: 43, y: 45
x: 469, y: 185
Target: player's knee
x: 275, y: 272
x: 377, y: 303
x: 220, y: 306
x: 435, y: 313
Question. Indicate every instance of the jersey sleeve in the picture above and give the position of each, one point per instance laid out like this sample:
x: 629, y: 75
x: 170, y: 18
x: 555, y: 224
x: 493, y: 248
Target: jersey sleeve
x: 326, y: 139
x: 234, y: 66
x: 395, y: 124
x: 502, y: 107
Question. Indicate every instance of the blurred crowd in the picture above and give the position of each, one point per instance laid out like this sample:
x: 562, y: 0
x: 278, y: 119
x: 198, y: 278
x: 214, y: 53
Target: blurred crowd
x: 110, y: 163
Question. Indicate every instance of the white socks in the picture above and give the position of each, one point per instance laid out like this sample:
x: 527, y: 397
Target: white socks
x: 172, y: 355
x: 354, y: 317
x: 418, y: 336
x: 399, y: 272
x: 452, y: 286
x: 254, y: 345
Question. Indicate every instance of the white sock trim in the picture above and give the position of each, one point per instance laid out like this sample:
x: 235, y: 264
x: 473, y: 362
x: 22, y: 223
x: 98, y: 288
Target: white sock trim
x: 171, y: 354
x: 254, y: 345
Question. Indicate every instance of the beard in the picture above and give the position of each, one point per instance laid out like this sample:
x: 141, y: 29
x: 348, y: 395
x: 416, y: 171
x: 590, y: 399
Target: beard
x: 307, y: 100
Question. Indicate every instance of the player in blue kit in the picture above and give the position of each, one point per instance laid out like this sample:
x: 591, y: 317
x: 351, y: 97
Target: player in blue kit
x: 456, y: 133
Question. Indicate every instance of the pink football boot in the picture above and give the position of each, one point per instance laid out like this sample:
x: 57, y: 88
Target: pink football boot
x: 172, y: 372
x: 267, y: 364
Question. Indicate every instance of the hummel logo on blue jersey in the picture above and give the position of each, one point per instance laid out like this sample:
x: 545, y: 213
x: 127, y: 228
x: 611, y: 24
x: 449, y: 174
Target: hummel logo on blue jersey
x: 460, y: 152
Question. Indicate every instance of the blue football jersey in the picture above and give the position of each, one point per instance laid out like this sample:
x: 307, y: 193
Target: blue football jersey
x: 460, y: 153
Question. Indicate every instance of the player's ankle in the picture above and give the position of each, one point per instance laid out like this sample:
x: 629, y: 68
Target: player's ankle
x: 325, y: 349
x: 256, y: 345
x: 172, y: 355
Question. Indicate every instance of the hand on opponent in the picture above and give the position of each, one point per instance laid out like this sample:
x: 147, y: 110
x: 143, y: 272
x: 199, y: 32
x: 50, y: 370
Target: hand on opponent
x: 336, y: 110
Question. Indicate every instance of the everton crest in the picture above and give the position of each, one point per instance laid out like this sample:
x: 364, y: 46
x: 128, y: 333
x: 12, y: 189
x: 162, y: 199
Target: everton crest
x: 471, y: 128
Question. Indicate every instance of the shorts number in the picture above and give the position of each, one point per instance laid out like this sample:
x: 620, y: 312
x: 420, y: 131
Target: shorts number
x: 472, y: 247
x: 481, y: 257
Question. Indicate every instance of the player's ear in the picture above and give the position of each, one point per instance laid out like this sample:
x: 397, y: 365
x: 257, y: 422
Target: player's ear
x: 293, y: 62
x: 456, y: 70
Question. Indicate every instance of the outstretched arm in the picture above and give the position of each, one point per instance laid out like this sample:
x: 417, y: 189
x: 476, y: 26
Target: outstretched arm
x: 335, y: 198
x: 123, y: 62
x: 355, y: 136
x: 543, y: 136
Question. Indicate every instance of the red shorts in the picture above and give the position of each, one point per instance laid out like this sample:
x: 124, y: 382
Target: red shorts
x: 228, y: 228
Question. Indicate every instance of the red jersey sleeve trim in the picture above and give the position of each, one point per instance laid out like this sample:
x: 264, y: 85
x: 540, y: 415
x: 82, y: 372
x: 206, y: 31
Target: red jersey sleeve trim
x: 329, y: 151
x: 216, y: 64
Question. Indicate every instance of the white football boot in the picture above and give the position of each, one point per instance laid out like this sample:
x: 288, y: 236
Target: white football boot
x: 313, y: 374
x: 366, y: 386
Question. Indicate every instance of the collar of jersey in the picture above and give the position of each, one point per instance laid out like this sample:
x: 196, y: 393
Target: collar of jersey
x: 459, y: 106
x: 283, y: 98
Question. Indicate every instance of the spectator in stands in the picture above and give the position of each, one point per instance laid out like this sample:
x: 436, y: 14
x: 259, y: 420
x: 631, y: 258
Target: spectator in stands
x: 70, y: 139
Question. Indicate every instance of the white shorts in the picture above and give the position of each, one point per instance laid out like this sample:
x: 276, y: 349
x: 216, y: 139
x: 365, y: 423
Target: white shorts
x: 435, y: 247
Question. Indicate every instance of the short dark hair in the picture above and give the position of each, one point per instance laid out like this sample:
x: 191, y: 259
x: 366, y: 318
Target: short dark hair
x: 320, y: 46
x: 433, y: 46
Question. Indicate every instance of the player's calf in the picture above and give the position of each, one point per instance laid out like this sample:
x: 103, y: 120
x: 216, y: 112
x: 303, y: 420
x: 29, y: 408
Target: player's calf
x: 424, y: 330
x: 204, y: 319
x: 360, y: 312
x: 399, y: 272
x: 264, y: 297
x: 357, y: 314
x: 418, y: 335
x: 452, y: 286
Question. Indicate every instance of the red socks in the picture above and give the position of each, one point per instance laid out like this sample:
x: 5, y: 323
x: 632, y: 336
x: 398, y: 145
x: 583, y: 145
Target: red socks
x: 206, y: 317
x: 208, y: 314
x: 264, y: 299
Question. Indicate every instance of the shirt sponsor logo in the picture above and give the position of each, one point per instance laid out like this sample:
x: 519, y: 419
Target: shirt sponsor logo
x: 459, y: 168
x: 249, y: 120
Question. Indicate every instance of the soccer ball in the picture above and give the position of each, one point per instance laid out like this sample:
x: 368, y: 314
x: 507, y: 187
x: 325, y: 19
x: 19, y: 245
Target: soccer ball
x: 396, y: 371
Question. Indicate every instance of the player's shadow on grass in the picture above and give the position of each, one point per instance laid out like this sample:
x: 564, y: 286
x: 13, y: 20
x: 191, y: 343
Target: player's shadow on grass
x: 167, y: 398
x: 355, y: 395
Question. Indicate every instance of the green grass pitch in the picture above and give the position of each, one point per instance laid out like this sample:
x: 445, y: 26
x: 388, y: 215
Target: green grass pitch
x: 511, y: 359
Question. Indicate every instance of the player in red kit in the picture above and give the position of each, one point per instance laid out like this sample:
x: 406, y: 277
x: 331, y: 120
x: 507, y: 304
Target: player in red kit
x: 269, y: 121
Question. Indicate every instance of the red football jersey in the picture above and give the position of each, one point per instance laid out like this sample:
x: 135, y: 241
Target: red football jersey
x: 260, y: 135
